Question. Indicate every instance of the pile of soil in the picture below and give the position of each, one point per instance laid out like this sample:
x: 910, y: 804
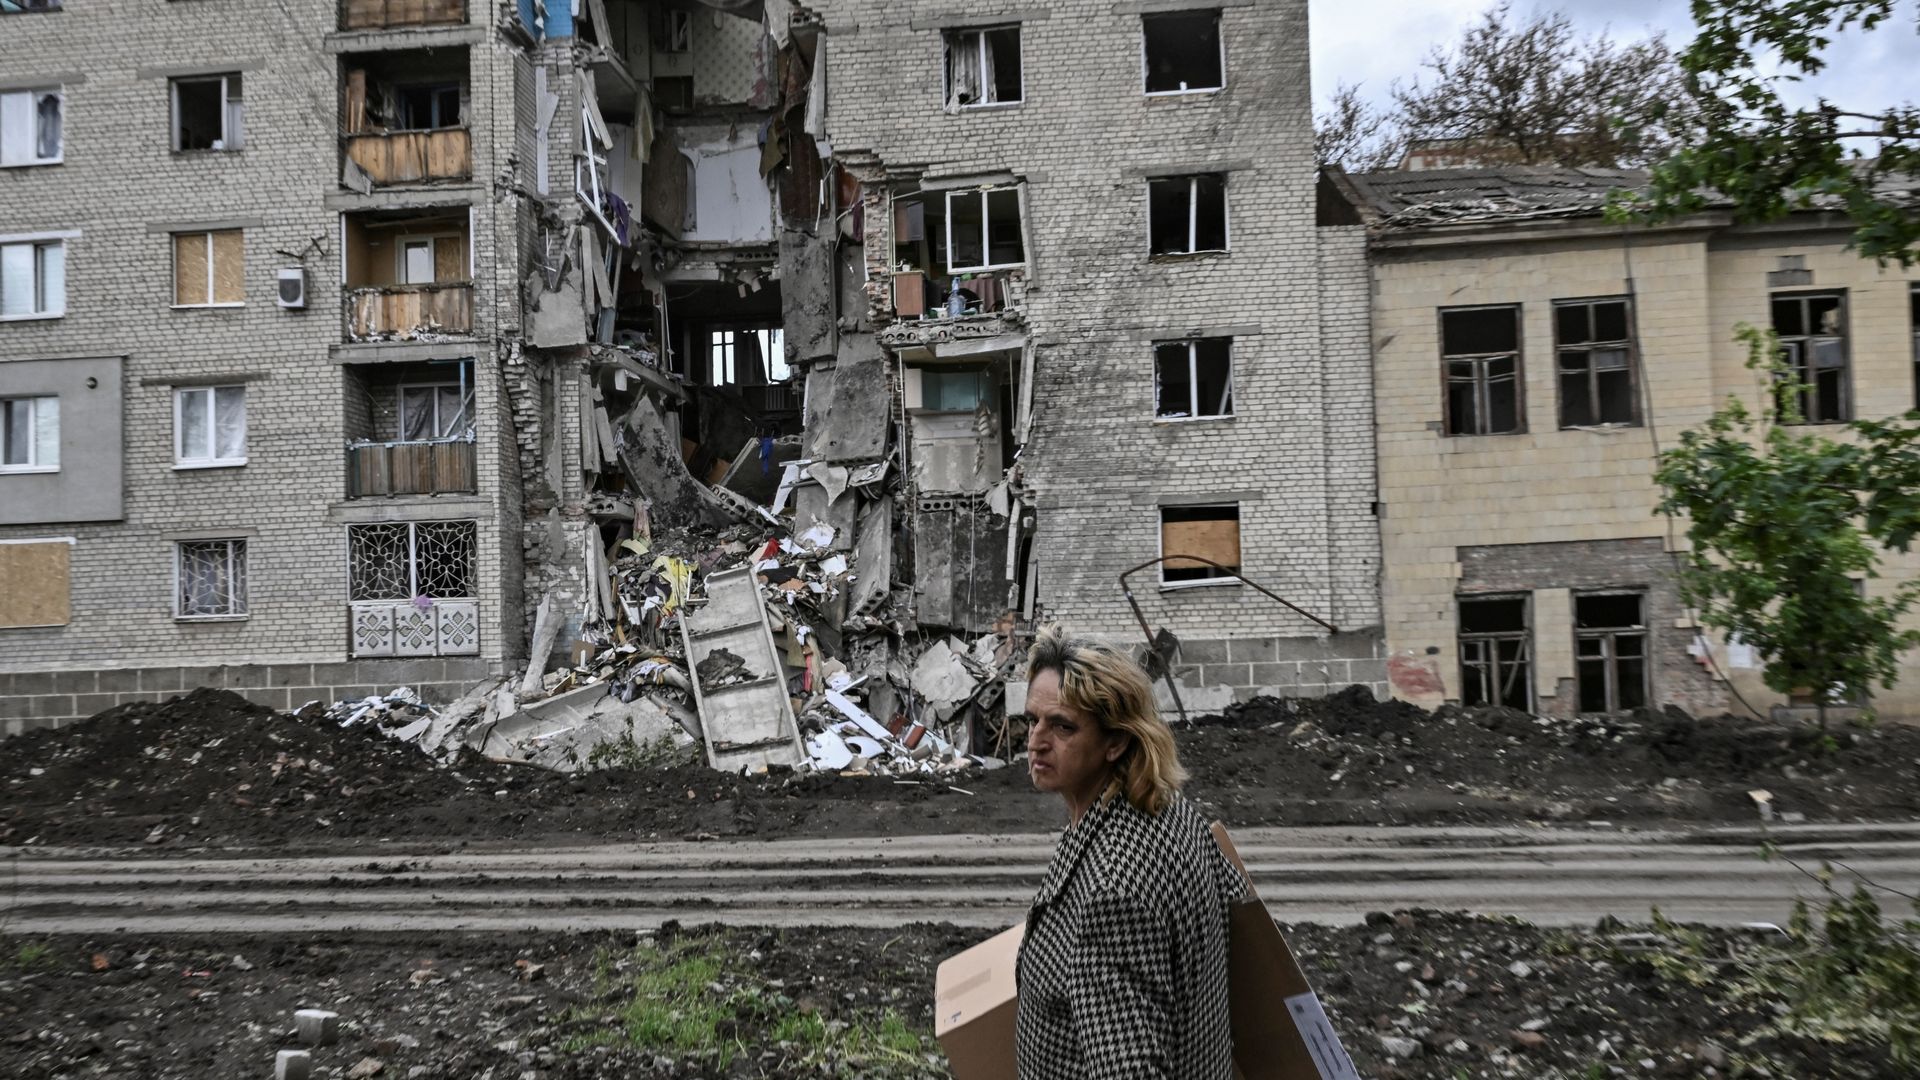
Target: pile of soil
x: 211, y: 769
x: 1415, y: 996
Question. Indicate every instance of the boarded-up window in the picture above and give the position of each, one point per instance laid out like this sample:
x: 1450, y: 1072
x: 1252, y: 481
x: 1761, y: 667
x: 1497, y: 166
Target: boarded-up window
x: 209, y: 269
x: 1199, y: 536
x: 34, y: 578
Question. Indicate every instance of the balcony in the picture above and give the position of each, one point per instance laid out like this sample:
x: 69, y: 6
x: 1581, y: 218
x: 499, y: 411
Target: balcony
x: 432, y: 467
x: 400, y: 14
x: 409, y: 312
x: 409, y: 275
x: 405, y: 117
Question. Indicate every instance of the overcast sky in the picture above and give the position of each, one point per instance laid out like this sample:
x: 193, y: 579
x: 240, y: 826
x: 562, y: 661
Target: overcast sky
x: 1374, y: 42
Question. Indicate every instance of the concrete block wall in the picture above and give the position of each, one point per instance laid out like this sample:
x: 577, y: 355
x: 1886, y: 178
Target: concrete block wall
x: 1084, y: 138
x: 1278, y: 667
x: 123, y: 188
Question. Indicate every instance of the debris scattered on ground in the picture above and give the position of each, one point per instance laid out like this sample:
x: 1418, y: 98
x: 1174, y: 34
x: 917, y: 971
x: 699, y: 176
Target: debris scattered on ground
x: 1416, y: 996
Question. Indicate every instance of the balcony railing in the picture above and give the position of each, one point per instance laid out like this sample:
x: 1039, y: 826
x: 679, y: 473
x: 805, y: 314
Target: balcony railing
x: 413, y: 157
x: 437, y: 467
x: 389, y: 14
x: 409, y: 312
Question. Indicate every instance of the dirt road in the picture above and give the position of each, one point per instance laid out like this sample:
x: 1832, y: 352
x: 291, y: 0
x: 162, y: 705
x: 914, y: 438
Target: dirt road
x: 1327, y: 875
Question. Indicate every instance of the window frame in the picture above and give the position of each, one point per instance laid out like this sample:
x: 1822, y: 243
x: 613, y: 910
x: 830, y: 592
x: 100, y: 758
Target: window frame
x: 40, y: 242
x: 986, y: 231
x: 1193, y: 381
x: 413, y: 559
x: 980, y: 33
x: 33, y: 465
x: 212, y: 395
x: 1610, y: 657
x: 35, y: 95
x: 1215, y: 577
x: 230, y: 142
x: 173, y: 239
x: 236, y: 560
x: 1629, y: 343
x: 1480, y: 360
x: 1193, y: 216
x: 675, y: 40
x: 1492, y: 662
x: 1220, y: 37
x: 466, y: 408
x: 1797, y: 344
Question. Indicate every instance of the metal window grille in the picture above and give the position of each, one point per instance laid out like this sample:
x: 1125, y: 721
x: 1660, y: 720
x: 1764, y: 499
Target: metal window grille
x: 404, y: 560
x: 212, y: 578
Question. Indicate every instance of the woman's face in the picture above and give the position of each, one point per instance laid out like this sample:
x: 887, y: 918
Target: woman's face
x: 1067, y: 751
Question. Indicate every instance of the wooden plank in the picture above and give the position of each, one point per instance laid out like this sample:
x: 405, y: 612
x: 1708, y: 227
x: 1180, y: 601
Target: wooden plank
x: 356, y: 100
x: 449, y: 254
x: 190, y: 268
x: 1216, y: 540
x: 229, y: 267
x: 34, y: 584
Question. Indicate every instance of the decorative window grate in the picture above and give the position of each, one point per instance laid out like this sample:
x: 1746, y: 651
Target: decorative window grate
x: 411, y: 586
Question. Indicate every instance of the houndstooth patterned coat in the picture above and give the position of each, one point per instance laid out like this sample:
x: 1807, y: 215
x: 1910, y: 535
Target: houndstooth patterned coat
x: 1123, y: 969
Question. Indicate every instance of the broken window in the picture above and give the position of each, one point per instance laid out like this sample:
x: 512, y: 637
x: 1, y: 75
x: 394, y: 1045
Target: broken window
x: 1480, y: 354
x: 435, y: 106
x: 398, y: 560
x: 1496, y: 652
x: 30, y: 127
x: 672, y: 30
x: 983, y: 230
x: 1186, y: 214
x: 33, y: 279
x: 210, y: 426
x: 209, y: 269
x: 211, y: 577
x: 1193, y: 379
x: 208, y: 114
x: 1182, y: 51
x: 954, y: 391
x: 1202, y: 536
x: 30, y: 434
x: 1813, y: 349
x: 1610, y: 651
x: 747, y: 357
x: 1596, y: 362
x: 440, y: 410
x: 983, y: 67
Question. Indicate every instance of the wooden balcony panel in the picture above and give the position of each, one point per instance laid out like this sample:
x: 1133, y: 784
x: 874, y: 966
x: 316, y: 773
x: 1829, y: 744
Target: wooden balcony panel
x: 414, y: 157
x: 407, y: 311
x: 391, y: 14
x: 412, y: 468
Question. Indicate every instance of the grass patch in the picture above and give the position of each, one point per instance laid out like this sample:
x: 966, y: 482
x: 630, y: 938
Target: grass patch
x: 34, y: 956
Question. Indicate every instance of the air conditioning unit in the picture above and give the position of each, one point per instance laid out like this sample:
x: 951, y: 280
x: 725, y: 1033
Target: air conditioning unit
x: 293, y: 287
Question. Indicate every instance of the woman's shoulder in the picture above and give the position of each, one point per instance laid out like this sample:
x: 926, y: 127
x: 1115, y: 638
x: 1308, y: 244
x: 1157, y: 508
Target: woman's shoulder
x: 1149, y: 856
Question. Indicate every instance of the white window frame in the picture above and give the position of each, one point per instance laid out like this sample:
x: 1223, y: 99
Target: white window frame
x: 33, y: 464
x: 1219, y: 33
x: 41, y: 241
x: 230, y: 140
x: 980, y: 33
x: 400, y: 245
x: 1160, y: 544
x: 236, y: 557
x: 173, y: 239
x: 1193, y: 217
x: 678, y: 36
x: 34, y: 96
x: 1193, y: 382
x: 986, y: 235
x: 211, y: 458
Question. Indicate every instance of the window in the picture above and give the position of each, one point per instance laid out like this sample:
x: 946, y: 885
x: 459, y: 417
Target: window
x: 436, y: 106
x: 39, y: 580
x: 1813, y: 348
x: 747, y: 357
x: 1596, y: 363
x: 427, y: 260
x: 209, y: 426
x: 208, y: 113
x: 1183, y: 52
x: 30, y: 125
x: 1496, y: 652
x: 33, y: 279
x: 1209, y: 533
x: 209, y: 269
x: 983, y: 230
x: 983, y: 67
x: 1480, y: 353
x: 1186, y: 214
x: 30, y: 434
x: 1610, y: 651
x: 212, y: 579
x: 1193, y: 379
x: 954, y: 391
x: 672, y: 30
x: 435, y: 411
x: 407, y: 560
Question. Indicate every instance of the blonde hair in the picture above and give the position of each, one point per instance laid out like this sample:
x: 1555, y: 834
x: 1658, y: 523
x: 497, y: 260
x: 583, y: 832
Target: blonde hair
x: 1108, y: 686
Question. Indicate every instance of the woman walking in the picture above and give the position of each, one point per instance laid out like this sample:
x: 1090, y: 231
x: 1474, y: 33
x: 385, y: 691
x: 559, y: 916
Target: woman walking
x: 1123, y: 969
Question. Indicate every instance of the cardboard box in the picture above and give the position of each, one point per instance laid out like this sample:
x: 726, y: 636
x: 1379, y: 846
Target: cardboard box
x: 1280, y: 1032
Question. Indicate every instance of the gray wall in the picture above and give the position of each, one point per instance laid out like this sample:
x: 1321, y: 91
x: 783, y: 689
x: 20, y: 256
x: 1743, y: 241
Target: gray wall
x: 87, y: 487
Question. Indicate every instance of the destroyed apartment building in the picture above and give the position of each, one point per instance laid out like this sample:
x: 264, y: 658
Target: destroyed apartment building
x: 752, y: 375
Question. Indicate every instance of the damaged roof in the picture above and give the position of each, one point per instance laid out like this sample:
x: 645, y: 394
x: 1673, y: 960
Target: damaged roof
x: 1396, y: 199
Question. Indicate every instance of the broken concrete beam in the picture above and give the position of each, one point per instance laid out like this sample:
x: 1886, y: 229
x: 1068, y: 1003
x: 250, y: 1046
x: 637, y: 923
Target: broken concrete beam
x: 292, y: 1065
x: 557, y: 319
x: 873, y: 558
x: 650, y: 457
x: 546, y: 629
x: 316, y: 1027
x: 811, y: 507
x: 849, y: 421
x: 808, y: 294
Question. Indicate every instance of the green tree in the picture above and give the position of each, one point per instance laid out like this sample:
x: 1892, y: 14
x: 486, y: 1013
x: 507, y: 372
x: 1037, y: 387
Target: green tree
x: 1785, y: 524
x: 1769, y: 158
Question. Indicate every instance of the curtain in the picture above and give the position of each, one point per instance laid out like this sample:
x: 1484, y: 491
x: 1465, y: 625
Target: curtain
x: 963, y: 70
